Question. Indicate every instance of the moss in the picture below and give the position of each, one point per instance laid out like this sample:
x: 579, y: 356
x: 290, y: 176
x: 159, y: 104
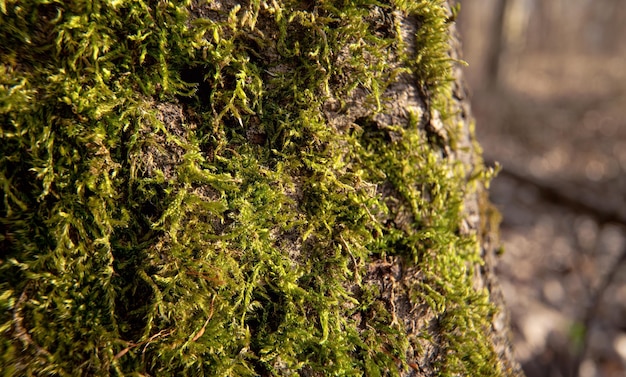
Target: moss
x: 176, y: 201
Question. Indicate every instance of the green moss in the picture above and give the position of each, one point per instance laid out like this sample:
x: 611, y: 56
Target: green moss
x: 175, y: 201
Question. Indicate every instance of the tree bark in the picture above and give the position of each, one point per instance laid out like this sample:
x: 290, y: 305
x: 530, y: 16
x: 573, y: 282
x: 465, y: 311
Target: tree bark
x: 243, y: 188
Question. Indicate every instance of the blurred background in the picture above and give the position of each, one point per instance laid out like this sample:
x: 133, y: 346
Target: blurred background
x: 548, y: 84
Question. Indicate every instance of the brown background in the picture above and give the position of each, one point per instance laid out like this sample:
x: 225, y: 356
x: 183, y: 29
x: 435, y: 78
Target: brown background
x: 549, y: 96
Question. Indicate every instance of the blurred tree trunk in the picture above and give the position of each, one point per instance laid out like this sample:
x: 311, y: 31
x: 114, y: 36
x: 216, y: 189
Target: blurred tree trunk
x: 229, y: 188
x: 496, y: 46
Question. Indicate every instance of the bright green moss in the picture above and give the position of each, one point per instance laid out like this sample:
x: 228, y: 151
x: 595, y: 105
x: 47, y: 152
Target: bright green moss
x: 175, y: 201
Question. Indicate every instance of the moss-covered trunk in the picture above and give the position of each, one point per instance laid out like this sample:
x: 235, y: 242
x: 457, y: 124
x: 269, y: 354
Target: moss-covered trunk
x: 241, y: 189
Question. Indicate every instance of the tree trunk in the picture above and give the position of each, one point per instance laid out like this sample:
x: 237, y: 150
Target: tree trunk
x: 243, y: 189
x: 496, y: 46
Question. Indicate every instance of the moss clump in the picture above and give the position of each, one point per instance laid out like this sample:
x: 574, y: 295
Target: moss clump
x: 176, y: 202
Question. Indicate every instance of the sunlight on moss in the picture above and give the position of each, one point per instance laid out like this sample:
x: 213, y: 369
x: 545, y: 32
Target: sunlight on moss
x: 175, y: 201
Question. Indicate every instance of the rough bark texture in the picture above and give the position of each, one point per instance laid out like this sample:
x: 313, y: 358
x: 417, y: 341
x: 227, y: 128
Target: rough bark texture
x: 243, y: 188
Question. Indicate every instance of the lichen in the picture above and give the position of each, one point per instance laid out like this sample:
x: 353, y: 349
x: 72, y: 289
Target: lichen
x: 178, y: 201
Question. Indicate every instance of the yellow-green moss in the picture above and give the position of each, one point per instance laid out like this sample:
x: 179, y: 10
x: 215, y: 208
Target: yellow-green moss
x: 176, y: 203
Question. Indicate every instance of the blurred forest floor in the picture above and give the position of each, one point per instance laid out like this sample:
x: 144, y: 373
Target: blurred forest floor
x: 555, y: 120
